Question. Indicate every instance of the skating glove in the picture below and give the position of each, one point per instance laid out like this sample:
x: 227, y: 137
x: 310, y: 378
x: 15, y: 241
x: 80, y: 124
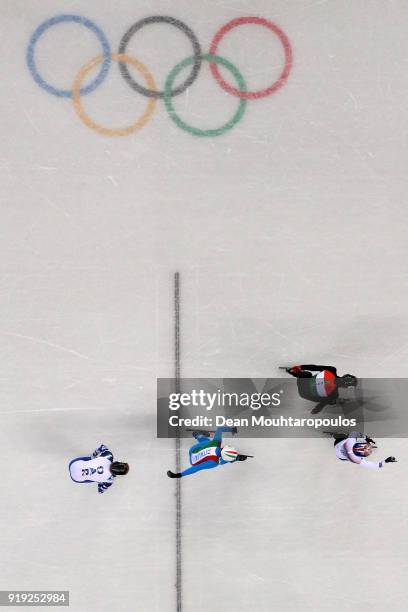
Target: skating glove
x: 295, y: 370
x: 242, y: 457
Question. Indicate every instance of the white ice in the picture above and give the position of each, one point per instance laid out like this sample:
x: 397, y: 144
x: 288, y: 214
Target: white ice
x: 289, y: 233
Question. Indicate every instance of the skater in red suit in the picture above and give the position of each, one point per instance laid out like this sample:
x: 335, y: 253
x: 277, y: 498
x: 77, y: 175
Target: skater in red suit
x: 320, y: 383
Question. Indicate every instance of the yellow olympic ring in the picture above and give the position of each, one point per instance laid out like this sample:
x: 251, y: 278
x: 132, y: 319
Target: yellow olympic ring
x: 133, y: 127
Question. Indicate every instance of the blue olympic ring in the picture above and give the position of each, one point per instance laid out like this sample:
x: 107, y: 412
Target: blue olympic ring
x: 67, y: 93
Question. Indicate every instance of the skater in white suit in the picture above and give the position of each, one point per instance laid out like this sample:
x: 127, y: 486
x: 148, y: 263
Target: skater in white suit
x: 355, y: 448
x: 99, y: 467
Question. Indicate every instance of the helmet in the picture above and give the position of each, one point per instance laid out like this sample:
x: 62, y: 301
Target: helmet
x: 118, y: 468
x: 362, y: 449
x: 229, y: 454
x: 348, y: 380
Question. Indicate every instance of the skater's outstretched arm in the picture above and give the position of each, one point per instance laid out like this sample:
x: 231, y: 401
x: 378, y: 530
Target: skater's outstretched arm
x: 102, y: 451
x: 102, y: 486
x: 319, y: 368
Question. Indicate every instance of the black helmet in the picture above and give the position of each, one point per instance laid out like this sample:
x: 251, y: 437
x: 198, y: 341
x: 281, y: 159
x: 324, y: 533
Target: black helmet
x: 348, y: 380
x: 118, y: 468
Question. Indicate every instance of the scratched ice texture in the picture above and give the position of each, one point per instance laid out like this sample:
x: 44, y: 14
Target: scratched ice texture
x: 289, y: 233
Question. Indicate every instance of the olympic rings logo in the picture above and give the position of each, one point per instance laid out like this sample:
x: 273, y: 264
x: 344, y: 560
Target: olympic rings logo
x: 149, y: 88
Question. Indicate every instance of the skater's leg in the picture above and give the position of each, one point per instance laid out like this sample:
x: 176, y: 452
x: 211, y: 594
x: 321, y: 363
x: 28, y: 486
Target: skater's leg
x: 221, y: 430
x: 206, y: 465
x: 300, y: 373
x: 201, y: 438
x: 340, y: 438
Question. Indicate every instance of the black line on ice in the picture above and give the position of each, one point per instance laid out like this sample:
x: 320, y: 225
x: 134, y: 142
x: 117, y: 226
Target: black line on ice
x: 177, y: 440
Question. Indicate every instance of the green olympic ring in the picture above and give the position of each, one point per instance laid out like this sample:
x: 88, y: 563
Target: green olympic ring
x: 212, y: 59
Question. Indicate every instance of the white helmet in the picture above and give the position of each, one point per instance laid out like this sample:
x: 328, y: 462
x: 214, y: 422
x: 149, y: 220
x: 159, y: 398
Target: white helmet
x: 229, y: 454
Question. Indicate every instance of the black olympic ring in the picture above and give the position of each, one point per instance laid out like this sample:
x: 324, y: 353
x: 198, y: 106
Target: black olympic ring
x: 181, y: 26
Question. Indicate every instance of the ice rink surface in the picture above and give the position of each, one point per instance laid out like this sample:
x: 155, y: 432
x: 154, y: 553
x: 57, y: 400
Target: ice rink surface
x: 289, y: 233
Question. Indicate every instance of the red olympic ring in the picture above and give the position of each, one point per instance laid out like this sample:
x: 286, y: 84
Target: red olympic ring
x: 251, y: 95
